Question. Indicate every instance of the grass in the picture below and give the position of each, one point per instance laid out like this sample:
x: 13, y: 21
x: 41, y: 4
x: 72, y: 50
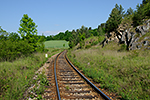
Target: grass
x: 91, y: 41
x: 67, y: 87
x: 124, y: 73
x: 146, y: 35
x: 16, y: 76
x: 56, y: 44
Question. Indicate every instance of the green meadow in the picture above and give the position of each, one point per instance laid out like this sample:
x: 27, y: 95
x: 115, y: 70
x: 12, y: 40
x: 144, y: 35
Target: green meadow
x: 56, y: 44
x: 125, y: 73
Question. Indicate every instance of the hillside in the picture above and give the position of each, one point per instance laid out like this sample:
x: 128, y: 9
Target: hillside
x: 116, y: 70
x: 121, y: 64
x: 133, y: 37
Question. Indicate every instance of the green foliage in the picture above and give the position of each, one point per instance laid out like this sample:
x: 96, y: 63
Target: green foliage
x: 129, y: 12
x: 87, y: 46
x: 71, y: 44
x: 114, y: 20
x: 75, y: 37
x: 141, y: 13
x: 67, y: 87
x: 82, y: 44
x: 124, y: 73
x: 81, y: 34
x: 18, y: 75
x: 39, y: 88
x: 94, y: 43
x: 13, y: 47
x: 3, y: 34
x: 10, y: 50
x: 14, y: 37
x: 60, y: 36
x: 123, y: 47
x: 27, y: 28
x: 120, y: 9
x: 63, y: 45
x: 101, y: 38
x: 28, y: 32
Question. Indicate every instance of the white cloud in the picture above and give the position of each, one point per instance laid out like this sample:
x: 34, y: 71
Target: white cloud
x: 48, y: 33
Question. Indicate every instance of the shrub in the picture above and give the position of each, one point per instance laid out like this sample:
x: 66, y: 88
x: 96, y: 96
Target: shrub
x: 123, y: 47
x: 94, y: 43
x: 87, y: 46
x: 82, y: 43
x: 11, y: 50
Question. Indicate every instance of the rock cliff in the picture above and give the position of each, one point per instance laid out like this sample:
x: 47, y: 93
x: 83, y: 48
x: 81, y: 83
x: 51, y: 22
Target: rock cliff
x: 134, y: 38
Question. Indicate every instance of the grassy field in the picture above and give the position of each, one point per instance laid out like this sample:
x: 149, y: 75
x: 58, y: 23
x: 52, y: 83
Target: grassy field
x: 123, y: 72
x: 56, y: 44
x: 17, y: 76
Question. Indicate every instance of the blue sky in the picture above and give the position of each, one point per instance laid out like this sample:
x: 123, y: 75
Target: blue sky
x: 54, y: 16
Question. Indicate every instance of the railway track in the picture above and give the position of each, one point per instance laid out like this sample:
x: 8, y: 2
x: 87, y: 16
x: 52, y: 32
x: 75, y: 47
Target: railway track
x: 68, y: 83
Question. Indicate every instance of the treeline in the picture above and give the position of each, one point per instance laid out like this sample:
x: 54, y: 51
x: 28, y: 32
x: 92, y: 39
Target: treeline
x: 118, y: 14
x: 60, y: 36
x: 77, y: 36
x: 13, y: 45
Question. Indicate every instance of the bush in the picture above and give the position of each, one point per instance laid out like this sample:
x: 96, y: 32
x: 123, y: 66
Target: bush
x: 82, y: 43
x: 94, y: 43
x: 87, y: 46
x: 123, y: 47
x: 11, y: 50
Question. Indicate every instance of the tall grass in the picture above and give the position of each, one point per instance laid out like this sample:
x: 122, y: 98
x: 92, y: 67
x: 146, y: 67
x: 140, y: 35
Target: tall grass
x: 16, y: 76
x: 124, y: 73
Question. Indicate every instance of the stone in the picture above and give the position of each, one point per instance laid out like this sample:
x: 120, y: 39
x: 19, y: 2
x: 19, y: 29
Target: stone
x: 146, y: 43
x: 146, y: 38
x: 139, y: 46
x: 140, y: 30
x: 124, y: 35
x: 136, y: 40
x: 148, y: 48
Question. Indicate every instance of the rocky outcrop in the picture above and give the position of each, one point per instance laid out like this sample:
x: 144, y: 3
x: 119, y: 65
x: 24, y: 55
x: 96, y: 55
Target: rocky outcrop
x: 134, y: 38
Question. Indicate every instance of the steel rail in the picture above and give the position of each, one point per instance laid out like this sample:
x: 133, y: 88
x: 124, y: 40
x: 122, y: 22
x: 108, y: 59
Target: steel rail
x: 58, y: 94
x: 97, y: 89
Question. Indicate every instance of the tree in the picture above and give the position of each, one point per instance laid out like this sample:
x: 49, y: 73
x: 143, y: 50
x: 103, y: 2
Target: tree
x: 27, y: 28
x: 3, y: 34
x: 67, y: 35
x: 114, y: 20
x: 145, y: 1
x: 28, y: 31
x: 143, y: 11
x: 14, y: 37
x: 129, y: 11
x: 120, y: 9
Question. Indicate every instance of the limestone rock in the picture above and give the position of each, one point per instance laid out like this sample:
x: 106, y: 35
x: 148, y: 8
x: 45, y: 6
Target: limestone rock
x: 131, y: 39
